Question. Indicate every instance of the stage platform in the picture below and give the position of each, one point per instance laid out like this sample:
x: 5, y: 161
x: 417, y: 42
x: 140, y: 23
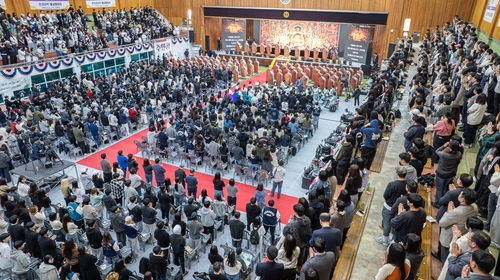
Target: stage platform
x: 43, y: 173
x: 266, y: 61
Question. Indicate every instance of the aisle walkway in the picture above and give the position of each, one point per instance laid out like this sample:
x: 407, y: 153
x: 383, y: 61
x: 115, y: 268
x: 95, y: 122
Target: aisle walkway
x: 367, y: 261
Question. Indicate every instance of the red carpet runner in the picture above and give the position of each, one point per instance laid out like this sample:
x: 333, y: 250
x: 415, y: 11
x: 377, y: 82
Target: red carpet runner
x: 284, y: 204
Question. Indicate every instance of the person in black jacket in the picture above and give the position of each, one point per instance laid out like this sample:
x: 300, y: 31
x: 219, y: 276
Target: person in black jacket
x: 32, y: 241
x: 16, y: 230
x: 162, y: 237
x: 149, y: 217
x: 87, y: 262
x: 253, y: 211
x: 237, y: 227
x: 178, y: 221
x: 95, y: 239
x: 158, y: 262
x: 135, y: 211
x: 178, y: 244
x: 48, y: 246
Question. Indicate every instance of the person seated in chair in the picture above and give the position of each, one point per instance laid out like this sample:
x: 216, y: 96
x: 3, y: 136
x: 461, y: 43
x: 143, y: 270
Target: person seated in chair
x: 39, y: 151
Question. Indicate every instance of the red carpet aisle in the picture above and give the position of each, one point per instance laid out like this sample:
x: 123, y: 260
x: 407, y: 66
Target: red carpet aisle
x: 284, y: 204
x: 261, y: 78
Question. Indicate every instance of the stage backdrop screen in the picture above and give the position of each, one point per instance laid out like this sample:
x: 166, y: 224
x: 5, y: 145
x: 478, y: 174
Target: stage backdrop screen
x: 233, y: 30
x: 356, y: 44
x: 300, y: 34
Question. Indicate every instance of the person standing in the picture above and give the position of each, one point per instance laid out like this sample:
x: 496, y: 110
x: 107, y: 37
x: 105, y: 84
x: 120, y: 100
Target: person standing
x: 95, y: 240
x: 195, y: 228
x: 20, y: 261
x: 106, y: 169
x: 278, y: 176
x: 394, y: 190
x: 178, y: 243
x: 253, y: 211
x: 159, y: 172
x: 118, y: 224
x: 149, y: 218
x: 192, y: 183
x: 270, y: 218
x: 122, y: 162
x: 237, y: 228
x: 181, y: 174
x: 373, y: 136
x: 412, y: 221
x: 231, y: 194
x: 159, y: 263
x: 270, y: 270
x: 208, y: 219
x: 320, y: 260
x: 331, y: 235
x: 456, y: 216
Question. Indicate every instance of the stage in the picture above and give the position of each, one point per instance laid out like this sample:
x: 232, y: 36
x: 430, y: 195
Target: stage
x: 43, y: 173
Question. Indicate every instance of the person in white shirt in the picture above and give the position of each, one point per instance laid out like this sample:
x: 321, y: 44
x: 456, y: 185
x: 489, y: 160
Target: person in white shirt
x: 21, y: 54
x: 278, y: 174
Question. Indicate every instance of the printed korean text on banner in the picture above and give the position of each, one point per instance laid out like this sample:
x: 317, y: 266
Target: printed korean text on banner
x: 2, y: 4
x: 490, y: 10
x: 233, y: 30
x: 49, y: 4
x: 100, y: 3
x: 356, y: 44
x: 162, y: 47
x: 17, y: 83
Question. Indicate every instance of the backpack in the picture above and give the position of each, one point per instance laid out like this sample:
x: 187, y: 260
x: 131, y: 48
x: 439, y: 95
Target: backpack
x: 254, y: 236
x: 144, y: 265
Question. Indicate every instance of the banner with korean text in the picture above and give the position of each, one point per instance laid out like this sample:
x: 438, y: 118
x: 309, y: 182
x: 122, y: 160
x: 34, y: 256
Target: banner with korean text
x: 100, y: 3
x: 49, y: 4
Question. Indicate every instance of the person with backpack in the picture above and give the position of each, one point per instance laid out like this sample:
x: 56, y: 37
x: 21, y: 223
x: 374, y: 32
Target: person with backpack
x: 110, y: 248
x: 253, y: 211
x: 257, y: 235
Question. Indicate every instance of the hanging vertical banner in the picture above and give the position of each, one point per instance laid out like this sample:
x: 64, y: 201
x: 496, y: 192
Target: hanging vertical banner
x: 490, y: 10
x: 49, y: 4
x: 2, y: 4
x: 162, y: 46
x: 233, y: 30
x: 100, y: 3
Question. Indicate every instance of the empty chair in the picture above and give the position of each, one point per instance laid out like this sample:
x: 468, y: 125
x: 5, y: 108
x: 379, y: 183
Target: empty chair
x: 171, y: 154
x: 220, y: 165
x: 238, y: 170
x: 208, y: 163
x: 262, y: 176
x: 72, y: 150
x: 248, y: 174
x: 193, y: 160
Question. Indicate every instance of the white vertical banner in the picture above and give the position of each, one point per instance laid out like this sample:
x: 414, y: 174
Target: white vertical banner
x: 2, y: 4
x: 490, y: 10
x: 162, y: 47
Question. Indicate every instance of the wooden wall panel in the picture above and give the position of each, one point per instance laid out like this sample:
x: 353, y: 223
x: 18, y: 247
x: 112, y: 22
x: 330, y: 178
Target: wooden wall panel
x: 477, y: 14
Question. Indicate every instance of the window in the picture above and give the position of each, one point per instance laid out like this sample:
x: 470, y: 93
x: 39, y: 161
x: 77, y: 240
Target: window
x: 52, y: 76
x: 109, y: 63
x: 120, y: 61
x: 134, y: 57
x: 98, y: 65
x: 86, y: 68
x: 144, y: 56
x: 66, y: 73
x: 38, y: 79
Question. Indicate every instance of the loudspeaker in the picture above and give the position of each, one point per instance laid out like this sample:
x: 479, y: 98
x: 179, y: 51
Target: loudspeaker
x: 369, y: 56
x: 191, y: 36
x: 366, y: 68
x: 392, y: 48
x: 207, y: 42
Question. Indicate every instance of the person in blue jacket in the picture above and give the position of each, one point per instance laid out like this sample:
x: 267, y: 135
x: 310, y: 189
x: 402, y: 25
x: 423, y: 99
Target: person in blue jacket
x: 373, y: 136
x: 122, y: 162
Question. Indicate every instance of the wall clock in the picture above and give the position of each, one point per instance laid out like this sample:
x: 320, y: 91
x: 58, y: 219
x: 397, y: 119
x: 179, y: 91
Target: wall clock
x: 285, y: 2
